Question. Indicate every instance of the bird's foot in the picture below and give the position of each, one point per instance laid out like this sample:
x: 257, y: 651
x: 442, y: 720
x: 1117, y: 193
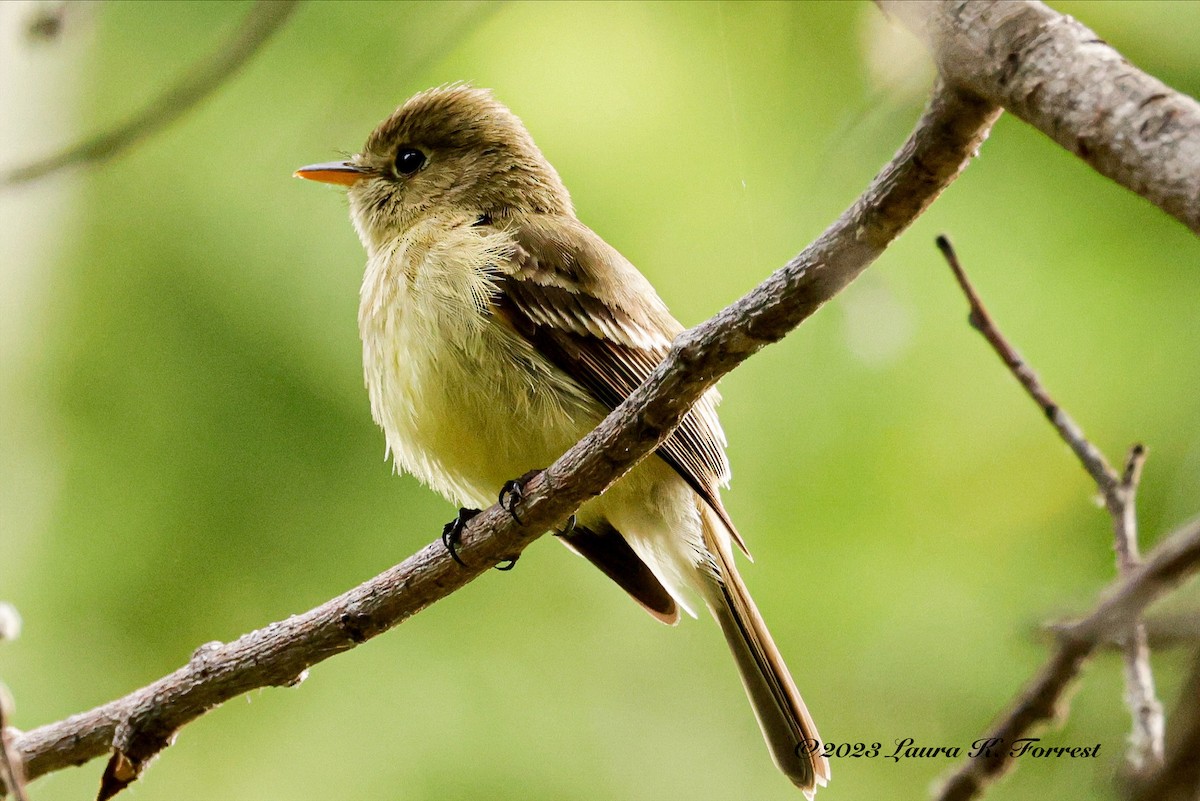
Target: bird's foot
x: 513, y: 491
x: 452, y: 532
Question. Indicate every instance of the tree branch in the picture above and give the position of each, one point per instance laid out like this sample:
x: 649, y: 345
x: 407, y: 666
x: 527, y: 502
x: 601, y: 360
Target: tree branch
x: 1177, y: 630
x: 1175, y: 559
x: 1120, y: 496
x: 205, y: 77
x: 1058, y: 76
x: 1179, y: 776
x: 142, y: 723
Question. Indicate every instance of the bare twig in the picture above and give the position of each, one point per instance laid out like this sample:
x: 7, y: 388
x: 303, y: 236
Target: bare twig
x: 207, y: 75
x: 1179, y: 777
x: 1092, y: 459
x: 1064, y: 80
x: 143, y: 723
x: 1174, y: 560
x: 1146, y: 739
x: 1119, y: 492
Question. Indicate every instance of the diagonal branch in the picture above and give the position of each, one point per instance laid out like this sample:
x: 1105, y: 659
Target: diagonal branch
x: 142, y: 723
x: 1120, y: 495
x: 205, y: 77
x: 1173, y: 561
x: 1064, y: 80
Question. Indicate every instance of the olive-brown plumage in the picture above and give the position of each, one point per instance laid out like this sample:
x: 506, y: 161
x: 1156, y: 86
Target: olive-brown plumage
x: 498, y: 330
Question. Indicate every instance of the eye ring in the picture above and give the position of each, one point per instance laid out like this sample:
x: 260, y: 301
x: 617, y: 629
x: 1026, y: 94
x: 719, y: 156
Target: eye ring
x: 408, y: 160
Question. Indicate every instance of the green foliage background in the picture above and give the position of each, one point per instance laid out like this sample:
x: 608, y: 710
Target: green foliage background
x: 210, y: 463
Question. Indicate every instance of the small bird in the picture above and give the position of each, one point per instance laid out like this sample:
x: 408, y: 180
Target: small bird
x: 498, y: 330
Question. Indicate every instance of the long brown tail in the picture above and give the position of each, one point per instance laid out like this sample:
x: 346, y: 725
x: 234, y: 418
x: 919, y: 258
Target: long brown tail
x: 786, y: 725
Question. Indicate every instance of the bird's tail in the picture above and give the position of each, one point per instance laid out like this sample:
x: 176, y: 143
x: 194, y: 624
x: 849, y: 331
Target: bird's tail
x: 786, y: 725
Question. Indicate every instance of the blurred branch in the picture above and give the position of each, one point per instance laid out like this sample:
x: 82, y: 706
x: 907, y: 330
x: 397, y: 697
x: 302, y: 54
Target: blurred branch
x: 1179, y: 777
x: 1120, y: 495
x: 1062, y: 79
x: 11, y: 774
x: 1174, y: 560
x: 1179, y: 630
x: 141, y: 724
x: 205, y: 77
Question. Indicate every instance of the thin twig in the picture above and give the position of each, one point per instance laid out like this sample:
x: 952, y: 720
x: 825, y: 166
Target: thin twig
x: 139, y: 725
x: 206, y: 76
x: 1179, y: 777
x: 1089, y: 455
x: 1146, y: 739
x: 1175, y: 559
x: 1119, y: 492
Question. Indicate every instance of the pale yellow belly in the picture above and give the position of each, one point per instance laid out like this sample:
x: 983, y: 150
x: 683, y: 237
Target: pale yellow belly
x: 467, y: 416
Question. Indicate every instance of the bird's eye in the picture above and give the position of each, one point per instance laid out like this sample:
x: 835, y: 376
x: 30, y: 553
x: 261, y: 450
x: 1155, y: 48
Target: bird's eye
x: 409, y: 160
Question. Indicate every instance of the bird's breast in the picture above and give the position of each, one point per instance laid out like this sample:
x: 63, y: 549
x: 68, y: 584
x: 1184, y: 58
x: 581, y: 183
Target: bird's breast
x: 465, y: 403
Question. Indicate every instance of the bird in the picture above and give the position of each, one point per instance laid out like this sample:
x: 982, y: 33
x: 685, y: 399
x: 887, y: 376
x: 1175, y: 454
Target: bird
x: 498, y: 330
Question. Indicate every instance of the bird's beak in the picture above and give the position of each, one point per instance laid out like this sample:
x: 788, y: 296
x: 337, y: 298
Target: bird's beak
x: 332, y: 172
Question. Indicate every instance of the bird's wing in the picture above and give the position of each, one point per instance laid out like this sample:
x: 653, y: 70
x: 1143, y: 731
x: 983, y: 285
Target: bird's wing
x: 607, y: 335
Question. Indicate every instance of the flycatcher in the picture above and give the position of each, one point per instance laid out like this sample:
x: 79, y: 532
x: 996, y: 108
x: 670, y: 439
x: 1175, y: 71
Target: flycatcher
x: 498, y: 330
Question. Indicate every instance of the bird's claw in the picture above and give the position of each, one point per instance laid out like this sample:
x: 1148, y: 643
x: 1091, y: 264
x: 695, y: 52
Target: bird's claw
x: 512, y: 492
x: 452, y: 532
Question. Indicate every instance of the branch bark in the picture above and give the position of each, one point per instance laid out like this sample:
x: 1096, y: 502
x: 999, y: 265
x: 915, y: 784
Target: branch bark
x: 1061, y: 78
x: 141, y: 724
